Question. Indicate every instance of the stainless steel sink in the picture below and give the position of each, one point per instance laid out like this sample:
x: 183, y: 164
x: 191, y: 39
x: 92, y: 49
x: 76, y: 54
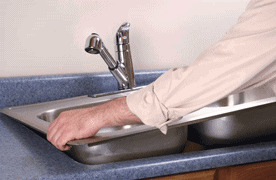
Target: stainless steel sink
x: 110, y: 144
x: 239, y: 116
x: 151, y: 143
x: 240, y: 127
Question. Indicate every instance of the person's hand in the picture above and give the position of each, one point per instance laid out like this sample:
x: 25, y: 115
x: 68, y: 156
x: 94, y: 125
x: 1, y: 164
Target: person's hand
x: 83, y: 123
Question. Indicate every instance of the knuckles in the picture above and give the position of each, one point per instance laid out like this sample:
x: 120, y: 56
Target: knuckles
x: 64, y: 128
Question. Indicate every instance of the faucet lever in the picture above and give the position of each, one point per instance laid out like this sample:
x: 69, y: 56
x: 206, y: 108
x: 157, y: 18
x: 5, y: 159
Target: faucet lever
x: 124, y: 53
x: 122, y: 35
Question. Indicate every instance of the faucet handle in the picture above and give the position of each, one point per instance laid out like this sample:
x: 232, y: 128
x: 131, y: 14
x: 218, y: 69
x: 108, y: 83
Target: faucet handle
x: 124, y: 53
x: 122, y: 35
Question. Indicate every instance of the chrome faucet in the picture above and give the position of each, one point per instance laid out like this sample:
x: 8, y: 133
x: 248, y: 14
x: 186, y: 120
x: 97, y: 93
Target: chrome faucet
x: 122, y: 69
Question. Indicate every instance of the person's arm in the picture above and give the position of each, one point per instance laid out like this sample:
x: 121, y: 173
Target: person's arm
x: 243, y: 58
x: 82, y: 123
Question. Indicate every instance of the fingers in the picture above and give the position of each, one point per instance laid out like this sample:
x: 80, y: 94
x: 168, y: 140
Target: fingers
x: 73, y: 124
x: 58, y: 135
x: 82, y: 123
x: 59, y: 138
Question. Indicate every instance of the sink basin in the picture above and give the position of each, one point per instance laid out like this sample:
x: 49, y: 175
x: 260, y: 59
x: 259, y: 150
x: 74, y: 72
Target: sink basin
x: 243, y: 126
x: 138, y: 141
x: 147, y: 144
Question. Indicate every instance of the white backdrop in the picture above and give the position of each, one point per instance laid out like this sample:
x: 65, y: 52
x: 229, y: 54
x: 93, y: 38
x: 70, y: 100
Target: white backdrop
x: 47, y: 37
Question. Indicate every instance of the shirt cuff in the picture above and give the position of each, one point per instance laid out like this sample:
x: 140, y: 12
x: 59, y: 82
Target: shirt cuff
x: 146, y: 105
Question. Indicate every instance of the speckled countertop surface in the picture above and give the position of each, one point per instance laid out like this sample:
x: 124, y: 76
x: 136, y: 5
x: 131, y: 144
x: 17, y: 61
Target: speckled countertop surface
x: 25, y: 155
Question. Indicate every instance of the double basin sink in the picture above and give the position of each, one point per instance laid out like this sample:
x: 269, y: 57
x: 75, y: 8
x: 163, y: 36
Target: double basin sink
x: 236, y: 118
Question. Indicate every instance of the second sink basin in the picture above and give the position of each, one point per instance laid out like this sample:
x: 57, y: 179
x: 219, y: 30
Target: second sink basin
x: 243, y: 126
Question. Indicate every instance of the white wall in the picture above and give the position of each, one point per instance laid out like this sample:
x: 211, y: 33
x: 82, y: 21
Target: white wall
x: 47, y: 36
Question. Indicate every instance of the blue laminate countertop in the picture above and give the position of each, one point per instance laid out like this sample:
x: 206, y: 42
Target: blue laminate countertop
x: 26, y: 155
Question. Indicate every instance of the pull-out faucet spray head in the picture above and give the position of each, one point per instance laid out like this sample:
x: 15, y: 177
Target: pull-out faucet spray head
x: 94, y: 45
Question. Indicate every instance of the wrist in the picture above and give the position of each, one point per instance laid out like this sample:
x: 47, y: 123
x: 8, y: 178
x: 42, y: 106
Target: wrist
x: 117, y: 113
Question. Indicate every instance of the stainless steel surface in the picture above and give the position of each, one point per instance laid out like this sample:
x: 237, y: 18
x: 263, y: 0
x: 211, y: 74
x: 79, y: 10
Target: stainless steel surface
x: 110, y: 144
x: 124, y: 53
x: 94, y: 45
x: 244, y: 126
x: 235, y: 117
x: 32, y: 114
x: 118, y: 92
x: 122, y: 69
x: 148, y: 144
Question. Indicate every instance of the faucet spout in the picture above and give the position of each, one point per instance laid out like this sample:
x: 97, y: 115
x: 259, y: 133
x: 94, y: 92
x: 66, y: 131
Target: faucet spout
x: 94, y: 45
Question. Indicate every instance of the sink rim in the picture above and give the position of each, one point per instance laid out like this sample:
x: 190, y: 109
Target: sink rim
x: 28, y: 114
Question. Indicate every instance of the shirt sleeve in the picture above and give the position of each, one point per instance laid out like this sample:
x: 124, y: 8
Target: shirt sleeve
x: 244, y: 58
